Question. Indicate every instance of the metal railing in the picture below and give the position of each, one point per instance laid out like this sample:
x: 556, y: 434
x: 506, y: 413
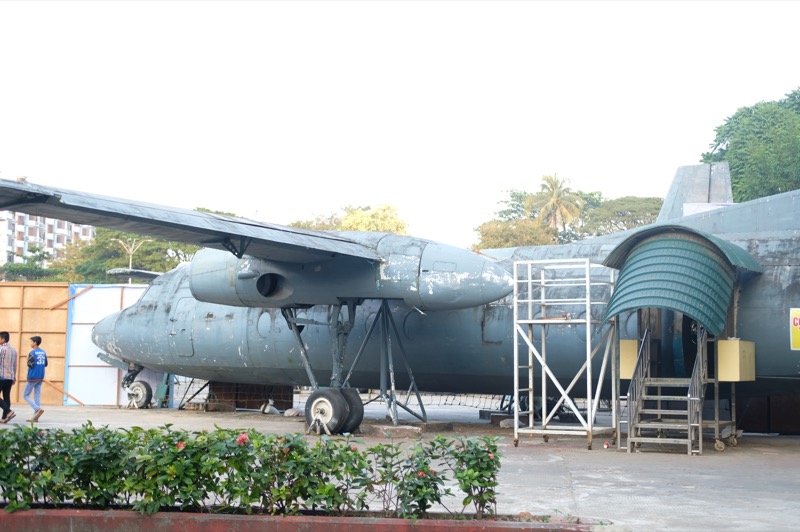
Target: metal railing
x: 696, y: 394
x: 637, y: 385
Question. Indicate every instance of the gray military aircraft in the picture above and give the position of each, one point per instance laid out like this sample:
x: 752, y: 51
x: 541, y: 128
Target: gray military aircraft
x: 268, y: 304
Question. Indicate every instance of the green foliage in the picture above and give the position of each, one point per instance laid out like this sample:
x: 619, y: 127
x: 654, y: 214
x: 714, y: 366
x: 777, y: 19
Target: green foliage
x: 383, y: 219
x: 619, y: 214
x: 557, y: 205
x: 761, y: 143
x: 476, y: 463
x: 88, y: 262
x: 517, y: 207
x: 239, y: 471
x: 532, y: 219
x: 511, y: 233
x: 31, y: 269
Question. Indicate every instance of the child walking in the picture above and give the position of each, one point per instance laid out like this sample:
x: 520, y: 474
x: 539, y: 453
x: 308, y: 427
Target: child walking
x: 37, y: 361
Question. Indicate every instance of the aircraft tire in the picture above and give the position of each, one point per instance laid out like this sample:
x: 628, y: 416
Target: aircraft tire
x: 329, y: 407
x: 356, y: 415
x: 141, y: 394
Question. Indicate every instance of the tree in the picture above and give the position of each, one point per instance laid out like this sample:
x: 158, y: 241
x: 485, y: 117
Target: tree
x: 88, y: 262
x: 761, y: 143
x: 610, y: 216
x: 517, y: 206
x: 513, y: 233
x: 560, y: 206
x: 31, y: 269
x: 384, y: 219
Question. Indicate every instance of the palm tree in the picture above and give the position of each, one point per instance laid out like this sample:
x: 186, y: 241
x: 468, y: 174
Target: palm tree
x: 560, y: 206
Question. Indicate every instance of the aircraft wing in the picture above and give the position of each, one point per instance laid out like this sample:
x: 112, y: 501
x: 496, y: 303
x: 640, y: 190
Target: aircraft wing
x: 237, y: 235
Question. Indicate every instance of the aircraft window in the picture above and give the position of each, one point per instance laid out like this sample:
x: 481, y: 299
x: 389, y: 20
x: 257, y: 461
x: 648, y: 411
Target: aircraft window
x: 440, y: 266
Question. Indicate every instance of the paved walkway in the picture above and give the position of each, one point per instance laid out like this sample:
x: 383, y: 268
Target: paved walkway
x: 752, y: 487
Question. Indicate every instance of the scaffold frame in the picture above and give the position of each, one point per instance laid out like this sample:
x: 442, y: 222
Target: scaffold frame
x: 544, y: 286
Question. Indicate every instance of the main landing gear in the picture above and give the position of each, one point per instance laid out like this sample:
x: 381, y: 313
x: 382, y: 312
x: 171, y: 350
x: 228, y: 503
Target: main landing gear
x: 339, y: 409
x: 334, y: 411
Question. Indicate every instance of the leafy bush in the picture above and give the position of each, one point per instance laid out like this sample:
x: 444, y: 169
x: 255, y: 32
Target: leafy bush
x: 241, y: 471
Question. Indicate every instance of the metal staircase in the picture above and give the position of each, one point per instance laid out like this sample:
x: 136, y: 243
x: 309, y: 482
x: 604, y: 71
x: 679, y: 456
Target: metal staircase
x: 667, y: 410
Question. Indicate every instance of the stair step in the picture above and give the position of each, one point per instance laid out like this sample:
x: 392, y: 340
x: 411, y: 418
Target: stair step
x: 675, y: 424
x: 643, y: 439
x: 656, y: 381
x: 665, y: 397
x: 663, y: 411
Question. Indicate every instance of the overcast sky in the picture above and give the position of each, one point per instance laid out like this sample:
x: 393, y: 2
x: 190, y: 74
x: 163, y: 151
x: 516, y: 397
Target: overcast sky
x: 281, y: 111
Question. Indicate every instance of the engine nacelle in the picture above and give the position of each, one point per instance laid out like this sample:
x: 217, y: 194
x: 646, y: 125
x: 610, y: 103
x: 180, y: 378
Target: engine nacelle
x: 424, y: 274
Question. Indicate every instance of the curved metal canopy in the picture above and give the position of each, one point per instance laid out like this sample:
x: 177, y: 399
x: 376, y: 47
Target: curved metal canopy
x: 680, y: 269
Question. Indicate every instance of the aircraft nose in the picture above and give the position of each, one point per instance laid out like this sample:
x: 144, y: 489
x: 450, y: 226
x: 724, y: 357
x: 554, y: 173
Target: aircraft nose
x: 103, y: 333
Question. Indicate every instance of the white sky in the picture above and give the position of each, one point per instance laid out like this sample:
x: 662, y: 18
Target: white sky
x: 281, y: 111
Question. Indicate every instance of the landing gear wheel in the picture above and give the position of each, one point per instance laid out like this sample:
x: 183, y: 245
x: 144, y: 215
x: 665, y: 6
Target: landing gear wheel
x: 356, y: 415
x: 719, y: 446
x: 327, y: 409
x: 140, y: 394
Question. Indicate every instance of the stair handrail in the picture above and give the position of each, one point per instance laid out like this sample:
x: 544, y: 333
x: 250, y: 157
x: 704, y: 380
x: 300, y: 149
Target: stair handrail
x: 696, y: 390
x: 636, y: 387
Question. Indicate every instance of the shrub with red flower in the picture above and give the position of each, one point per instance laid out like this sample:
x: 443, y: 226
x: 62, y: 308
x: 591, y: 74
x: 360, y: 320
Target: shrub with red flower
x: 243, y: 439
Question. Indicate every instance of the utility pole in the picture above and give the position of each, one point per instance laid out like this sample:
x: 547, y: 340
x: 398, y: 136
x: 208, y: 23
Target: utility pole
x: 130, y: 247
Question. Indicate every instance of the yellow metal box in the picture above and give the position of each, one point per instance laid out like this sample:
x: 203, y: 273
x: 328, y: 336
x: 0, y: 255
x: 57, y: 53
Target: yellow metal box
x: 628, y: 352
x: 737, y: 360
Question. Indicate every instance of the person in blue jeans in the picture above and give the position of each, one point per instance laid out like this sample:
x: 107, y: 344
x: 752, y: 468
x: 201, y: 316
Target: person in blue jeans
x: 37, y: 361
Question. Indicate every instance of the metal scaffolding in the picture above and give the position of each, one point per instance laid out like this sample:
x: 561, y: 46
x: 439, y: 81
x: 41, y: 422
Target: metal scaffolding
x: 563, y: 293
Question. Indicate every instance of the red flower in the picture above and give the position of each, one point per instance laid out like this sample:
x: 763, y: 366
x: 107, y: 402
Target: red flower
x: 181, y: 446
x: 421, y: 474
x: 491, y: 456
x: 243, y: 439
x: 88, y: 447
x: 353, y: 448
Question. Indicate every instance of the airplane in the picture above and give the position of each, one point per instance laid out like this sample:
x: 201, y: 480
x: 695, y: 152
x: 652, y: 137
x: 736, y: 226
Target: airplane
x: 269, y: 304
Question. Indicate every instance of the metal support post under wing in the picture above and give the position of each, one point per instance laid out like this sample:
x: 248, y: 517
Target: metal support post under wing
x: 388, y: 330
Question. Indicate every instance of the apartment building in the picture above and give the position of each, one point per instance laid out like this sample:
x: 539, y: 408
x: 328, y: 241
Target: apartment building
x: 20, y: 232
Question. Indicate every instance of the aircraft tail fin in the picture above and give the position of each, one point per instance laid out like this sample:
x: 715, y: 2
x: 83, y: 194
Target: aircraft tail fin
x: 697, y: 188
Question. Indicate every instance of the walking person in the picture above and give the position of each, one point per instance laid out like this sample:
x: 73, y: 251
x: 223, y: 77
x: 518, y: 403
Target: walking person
x: 37, y: 361
x: 8, y: 375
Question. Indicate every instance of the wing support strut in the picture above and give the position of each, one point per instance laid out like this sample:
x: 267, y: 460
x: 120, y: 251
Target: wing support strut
x: 388, y: 330
x: 239, y: 251
x: 290, y: 315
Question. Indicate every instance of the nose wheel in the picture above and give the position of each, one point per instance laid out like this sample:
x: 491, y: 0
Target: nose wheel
x: 140, y: 394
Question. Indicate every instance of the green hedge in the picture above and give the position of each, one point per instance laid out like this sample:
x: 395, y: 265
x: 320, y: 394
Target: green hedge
x: 243, y: 471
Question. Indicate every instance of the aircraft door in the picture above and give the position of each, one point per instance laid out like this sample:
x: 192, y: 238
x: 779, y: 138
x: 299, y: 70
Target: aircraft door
x: 180, y: 328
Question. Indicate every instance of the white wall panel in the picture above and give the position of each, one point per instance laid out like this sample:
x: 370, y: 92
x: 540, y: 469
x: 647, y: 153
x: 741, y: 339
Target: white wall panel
x: 88, y: 379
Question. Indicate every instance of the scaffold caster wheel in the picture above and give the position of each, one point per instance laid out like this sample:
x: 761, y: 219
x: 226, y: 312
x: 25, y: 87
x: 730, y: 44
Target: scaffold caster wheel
x: 719, y: 446
x: 732, y: 441
x: 546, y: 438
x: 516, y: 442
